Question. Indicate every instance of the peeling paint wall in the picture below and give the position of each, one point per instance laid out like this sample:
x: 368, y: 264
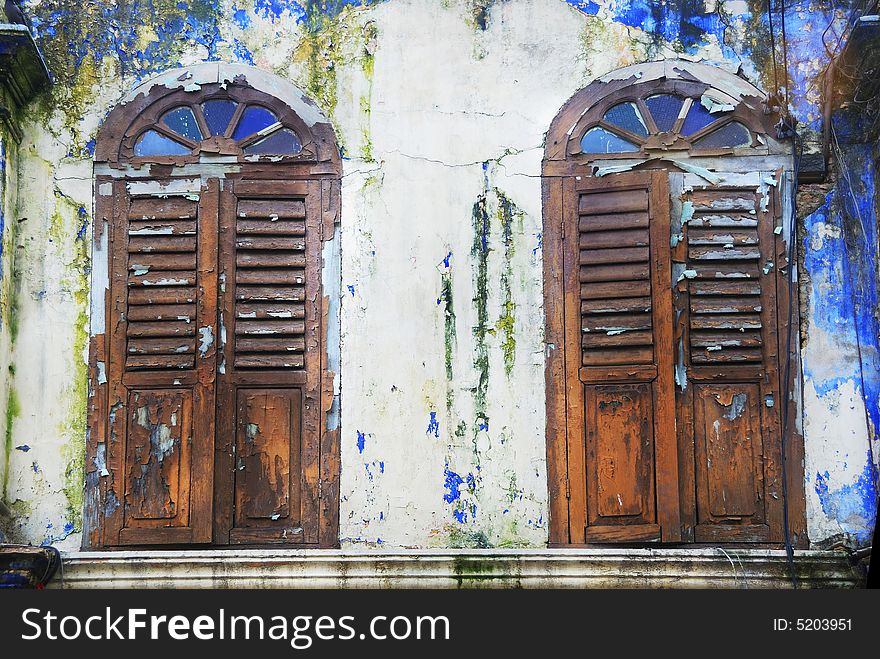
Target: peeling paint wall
x: 440, y: 109
x: 841, y: 362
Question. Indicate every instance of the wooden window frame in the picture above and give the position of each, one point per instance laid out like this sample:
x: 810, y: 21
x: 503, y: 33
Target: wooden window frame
x: 563, y: 161
x: 316, y: 168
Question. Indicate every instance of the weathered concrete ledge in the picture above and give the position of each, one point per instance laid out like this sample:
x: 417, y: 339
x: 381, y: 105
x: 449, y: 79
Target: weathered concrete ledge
x: 454, y: 568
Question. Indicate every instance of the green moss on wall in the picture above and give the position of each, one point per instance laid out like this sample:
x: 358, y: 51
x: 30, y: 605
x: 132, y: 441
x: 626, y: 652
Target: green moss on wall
x: 480, y: 256
x: 478, y: 14
x: 84, y: 42
x: 68, y: 225
x: 370, y: 35
x: 461, y: 539
x: 449, y: 337
x: 758, y: 42
x: 507, y: 212
x: 321, y: 52
x: 13, y: 410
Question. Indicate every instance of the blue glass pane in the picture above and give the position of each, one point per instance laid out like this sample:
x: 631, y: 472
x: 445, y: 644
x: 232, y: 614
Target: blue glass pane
x: 152, y: 143
x: 697, y: 118
x: 253, y: 121
x: 664, y: 109
x: 599, y: 140
x: 281, y: 141
x: 729, y: 135
x: 182, y: 120
x: 628, y: 117
x: 217, y: 114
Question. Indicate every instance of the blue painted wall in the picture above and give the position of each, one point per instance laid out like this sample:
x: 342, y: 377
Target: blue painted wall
x: 840, y: 260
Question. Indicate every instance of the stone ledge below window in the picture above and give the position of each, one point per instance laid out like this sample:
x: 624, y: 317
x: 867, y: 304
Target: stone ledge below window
x: 455, y: 568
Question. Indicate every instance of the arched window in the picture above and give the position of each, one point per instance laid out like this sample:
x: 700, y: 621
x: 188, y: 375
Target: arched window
x: 213, y: 199
x: 666, y: 294
x: 668, y: 116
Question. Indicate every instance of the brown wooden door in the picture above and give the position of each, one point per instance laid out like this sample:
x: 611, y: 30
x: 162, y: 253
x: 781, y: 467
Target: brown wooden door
x: 161, y: 366
x: 268, y: 439
x: 671, y: 402
x: 729, y: 391
x: 214, y: 362
x: 622, y: 454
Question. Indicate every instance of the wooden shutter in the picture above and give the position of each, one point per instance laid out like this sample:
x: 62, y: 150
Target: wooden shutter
x: 622, y: 463
x: 268, y: 416
x: 161, y: 371
x: 730, y: 344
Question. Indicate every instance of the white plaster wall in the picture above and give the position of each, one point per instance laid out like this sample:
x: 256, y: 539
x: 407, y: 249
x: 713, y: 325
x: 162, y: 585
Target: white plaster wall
x: 452, y: 118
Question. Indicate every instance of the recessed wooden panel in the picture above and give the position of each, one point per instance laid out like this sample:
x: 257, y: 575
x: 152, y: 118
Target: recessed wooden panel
x: 729, y: 451
x: 158, y: 456
x: 267, y: 455
x: 620, y: 452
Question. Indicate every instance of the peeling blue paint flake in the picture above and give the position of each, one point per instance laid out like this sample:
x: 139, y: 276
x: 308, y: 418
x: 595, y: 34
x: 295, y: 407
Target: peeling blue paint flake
x: 23, y: 447
x: 452, y: 484
x: 433, y: 425
x: 83, y: 216
x: 274, y: 9
x: 586, y: 6
x: 50, y: 538
x: 853, y: 505
x: 241, y: 52
x: 361, y: 441
x: 241, y: 17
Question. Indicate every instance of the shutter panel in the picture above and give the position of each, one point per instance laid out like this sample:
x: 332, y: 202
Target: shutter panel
x: 161, y: 268
x: 731, y: 349
x: 622, y: 453
x: 269, y: 279
x: 161, y: 366
x: 270, y: 366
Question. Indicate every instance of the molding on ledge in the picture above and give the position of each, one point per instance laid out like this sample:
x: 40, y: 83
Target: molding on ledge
x: 454, y: 568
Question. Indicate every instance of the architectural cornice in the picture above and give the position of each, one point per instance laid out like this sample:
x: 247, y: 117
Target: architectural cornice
x: 455, y: 568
